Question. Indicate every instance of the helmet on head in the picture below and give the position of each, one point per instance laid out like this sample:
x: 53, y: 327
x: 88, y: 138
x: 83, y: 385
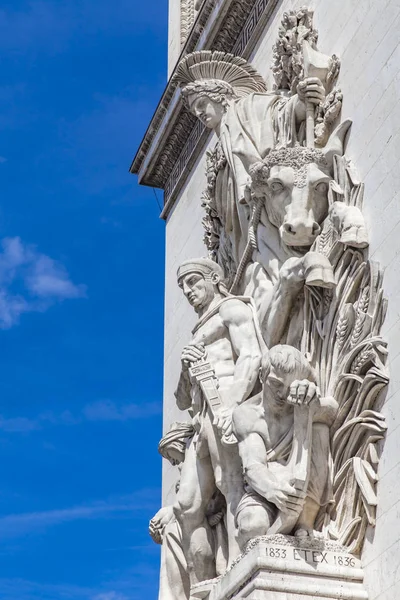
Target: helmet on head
x: 205, y: 267
x: 218, y: 74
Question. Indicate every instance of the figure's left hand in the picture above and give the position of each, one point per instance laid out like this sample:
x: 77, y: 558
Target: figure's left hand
x: 303, y: 392
x: 159, y: 521
x: 311, y: 90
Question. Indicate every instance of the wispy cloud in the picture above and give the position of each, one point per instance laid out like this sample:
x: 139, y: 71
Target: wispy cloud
x: 105, y: 410
x: 100, y: 411
x: 110, y: 596
x: 30, y: 281
x: 17, y: 525
x: 18, y: 424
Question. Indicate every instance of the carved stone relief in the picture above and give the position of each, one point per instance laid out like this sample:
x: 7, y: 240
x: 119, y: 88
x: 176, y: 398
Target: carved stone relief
x: 189, y: 10
x: 285, y: 369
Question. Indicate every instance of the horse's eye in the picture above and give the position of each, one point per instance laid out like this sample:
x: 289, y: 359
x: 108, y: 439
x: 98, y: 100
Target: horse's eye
x: 322, y: 187
x: 276, y: 186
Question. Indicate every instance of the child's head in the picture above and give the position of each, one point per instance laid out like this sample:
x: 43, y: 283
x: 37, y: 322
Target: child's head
x: 280, y: 366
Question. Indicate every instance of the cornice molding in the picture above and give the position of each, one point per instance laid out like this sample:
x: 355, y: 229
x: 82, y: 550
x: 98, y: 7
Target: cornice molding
x: 174, y: 138
x: 166, y: 101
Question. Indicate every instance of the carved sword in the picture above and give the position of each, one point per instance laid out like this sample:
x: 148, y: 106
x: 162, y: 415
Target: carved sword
x: 202, y: 373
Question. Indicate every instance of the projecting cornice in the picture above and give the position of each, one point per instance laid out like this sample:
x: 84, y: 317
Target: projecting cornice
x: 174, y: 137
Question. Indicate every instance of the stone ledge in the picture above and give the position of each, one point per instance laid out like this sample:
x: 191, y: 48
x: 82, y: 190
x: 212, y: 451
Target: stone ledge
x: 285, y: 568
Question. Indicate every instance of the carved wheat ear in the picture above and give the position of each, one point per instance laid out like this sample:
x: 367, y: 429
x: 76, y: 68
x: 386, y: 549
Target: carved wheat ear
x: 205, y: 65
x: 337, y: 142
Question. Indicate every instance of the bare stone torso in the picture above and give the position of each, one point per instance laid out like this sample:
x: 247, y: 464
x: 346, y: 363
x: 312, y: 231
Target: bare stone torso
x: 219, y: 352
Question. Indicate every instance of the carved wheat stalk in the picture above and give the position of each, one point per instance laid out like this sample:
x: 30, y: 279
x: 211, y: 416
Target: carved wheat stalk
x: 341, y: 331
x: 361, y: 360
x: 362, y: 308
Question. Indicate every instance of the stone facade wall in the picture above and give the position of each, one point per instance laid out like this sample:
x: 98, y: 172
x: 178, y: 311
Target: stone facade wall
x: 174, y: 33
x: 365, y: 34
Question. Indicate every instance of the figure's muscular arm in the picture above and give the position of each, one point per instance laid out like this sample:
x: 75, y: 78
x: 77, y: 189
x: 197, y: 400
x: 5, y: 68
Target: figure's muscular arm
x: 284, y: 293
x: 182, y: 393
x: 238, y: 318
x: 251, y: 431
x: 190, y: 354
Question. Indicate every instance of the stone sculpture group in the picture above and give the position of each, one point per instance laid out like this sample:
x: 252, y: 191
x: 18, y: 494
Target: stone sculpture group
x: 283, y: 374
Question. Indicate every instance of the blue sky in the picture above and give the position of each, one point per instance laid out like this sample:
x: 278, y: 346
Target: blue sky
x: 81, y: 299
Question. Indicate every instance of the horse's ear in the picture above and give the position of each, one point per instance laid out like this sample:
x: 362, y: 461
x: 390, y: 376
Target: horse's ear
x: 337, y: 142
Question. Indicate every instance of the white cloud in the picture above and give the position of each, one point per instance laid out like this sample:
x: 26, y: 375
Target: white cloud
x: 102, y: 410
x: 50, y: 279
x: 110, y: 596
x: 106, y: 410
x: 18, y: 424
x: 20, y: 524
x: 30, y: 281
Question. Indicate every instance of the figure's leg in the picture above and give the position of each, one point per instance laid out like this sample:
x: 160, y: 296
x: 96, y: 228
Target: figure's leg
x: 216, y: 512
x: 221, y: 547
x: 174, y: 579
x: 228, y: 478
x: 197, y: 486
x: 252, y: 521
x: 319, y: 492
x: 230, y: 481
x: 305, y: 524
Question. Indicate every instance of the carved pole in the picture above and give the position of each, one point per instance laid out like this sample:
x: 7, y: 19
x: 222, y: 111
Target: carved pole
x: 298, y: 464
x: 318, y: 65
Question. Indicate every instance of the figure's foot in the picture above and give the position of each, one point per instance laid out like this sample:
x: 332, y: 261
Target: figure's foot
x: 304, y: 532
x: 355, y: 236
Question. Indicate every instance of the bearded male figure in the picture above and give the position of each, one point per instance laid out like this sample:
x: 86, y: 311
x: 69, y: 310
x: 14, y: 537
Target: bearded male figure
x: 266, y: 429
x: 228, y: 96
x: 226, y: 336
